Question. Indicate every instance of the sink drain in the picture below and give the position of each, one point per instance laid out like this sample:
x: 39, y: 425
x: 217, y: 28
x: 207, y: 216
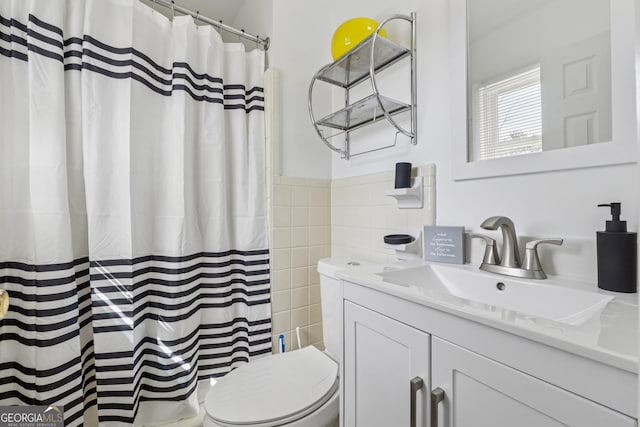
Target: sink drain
x: 501, y: 286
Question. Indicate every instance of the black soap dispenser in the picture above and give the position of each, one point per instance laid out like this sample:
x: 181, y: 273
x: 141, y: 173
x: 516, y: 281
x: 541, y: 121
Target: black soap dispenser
x: 617, y: 254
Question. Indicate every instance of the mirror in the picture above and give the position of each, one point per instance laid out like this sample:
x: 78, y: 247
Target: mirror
x: 537, y: 79
x: 541, y: 85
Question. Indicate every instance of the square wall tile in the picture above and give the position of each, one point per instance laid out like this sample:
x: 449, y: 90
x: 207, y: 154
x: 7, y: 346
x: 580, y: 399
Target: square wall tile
x: 339, y: 196
x: 299, y: 317
x: 299, y: 216
x: 299, y: 277
x: 299, y: 257
x: 338, y: 215
x: 350, y: 218
x: 359, y: 196
x: 281, y: 259
x: 316, y: 253
x: 319, y: 196
x: 281, y: 237
x: 319, y: 235
x: 314, y: 294
x: 299, y: 236
x: 299, y: 196
x: 299, y: 297
x: 377, y: 193
x: 320, y: 215
x: 280, y: 280
x: 280, y: 301
x: 281, y: 322
x: 314, y: 277
x: 315, y: 314
x: 281, y: 216
x: 282, y: 195
x: 339, y: 235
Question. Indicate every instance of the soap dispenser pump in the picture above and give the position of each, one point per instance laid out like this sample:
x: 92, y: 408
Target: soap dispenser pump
x: 617, y: 254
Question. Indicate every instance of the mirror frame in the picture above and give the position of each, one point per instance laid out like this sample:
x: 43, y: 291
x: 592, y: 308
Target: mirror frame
x: 621, y: 150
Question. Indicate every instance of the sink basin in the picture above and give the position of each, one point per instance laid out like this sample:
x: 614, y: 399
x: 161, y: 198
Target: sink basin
x: 486, y: 292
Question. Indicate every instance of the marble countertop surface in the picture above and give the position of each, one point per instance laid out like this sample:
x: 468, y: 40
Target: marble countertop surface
x: 609, y: 335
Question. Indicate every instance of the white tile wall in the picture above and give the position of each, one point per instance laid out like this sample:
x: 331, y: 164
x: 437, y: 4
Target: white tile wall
x: 300, y: 234
x: 361, y: 214
x: 311, y: 219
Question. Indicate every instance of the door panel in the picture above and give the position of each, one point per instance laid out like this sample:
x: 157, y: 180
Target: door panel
x: 482, y: 392
x: 381, y: 357
x: 576, y: 94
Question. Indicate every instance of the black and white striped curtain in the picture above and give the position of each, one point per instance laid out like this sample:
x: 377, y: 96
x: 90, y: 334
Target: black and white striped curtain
x: 133, y: 231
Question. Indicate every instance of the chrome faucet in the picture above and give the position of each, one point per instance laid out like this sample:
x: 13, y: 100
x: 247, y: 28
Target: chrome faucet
x: 508, y: 263
x: 510, y: 255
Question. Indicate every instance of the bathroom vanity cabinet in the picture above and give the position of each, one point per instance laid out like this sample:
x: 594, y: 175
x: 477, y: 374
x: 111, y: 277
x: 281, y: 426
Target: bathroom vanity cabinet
x: 381, y: 356
x: 489, y: 377
x: 483, y: 392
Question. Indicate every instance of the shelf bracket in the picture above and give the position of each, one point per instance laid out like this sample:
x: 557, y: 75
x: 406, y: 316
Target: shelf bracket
x: 409, y: 198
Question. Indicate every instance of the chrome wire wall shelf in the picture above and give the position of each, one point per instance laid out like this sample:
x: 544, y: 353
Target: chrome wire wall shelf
x: 362, y: 113
x: 362, y: 63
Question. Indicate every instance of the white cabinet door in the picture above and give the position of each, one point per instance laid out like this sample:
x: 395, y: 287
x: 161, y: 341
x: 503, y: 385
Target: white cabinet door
x: 482, y: 392
x: 381, y: 357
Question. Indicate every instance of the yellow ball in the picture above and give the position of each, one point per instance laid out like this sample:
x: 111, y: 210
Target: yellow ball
x: 350, y: 33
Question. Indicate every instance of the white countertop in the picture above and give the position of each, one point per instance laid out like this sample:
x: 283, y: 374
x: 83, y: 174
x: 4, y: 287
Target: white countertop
x: 610, y: 336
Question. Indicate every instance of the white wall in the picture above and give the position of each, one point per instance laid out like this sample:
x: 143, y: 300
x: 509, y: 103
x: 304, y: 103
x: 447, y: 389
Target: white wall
x: 523, y: 41
x: 299, y: 49
x: 546, y: 204
x: 256, y: 18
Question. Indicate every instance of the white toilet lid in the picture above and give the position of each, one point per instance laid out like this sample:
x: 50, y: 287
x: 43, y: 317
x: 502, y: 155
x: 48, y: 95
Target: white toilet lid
x: 273, y: 389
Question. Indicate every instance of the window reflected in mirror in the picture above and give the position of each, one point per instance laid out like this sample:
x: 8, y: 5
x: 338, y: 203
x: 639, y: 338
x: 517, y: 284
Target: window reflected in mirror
x: 508, y: 116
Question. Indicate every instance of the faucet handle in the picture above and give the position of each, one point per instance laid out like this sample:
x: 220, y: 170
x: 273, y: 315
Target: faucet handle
x: 534, y: 243
x: 490, y: 251
x: 531, y: 261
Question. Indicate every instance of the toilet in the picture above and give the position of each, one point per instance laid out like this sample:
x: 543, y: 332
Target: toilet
x: 294, y: 389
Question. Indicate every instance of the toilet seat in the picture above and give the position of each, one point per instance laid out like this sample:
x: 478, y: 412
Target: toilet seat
x: 273, y: 390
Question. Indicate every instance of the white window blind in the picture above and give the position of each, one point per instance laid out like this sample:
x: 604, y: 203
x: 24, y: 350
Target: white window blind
x: 509, y: 117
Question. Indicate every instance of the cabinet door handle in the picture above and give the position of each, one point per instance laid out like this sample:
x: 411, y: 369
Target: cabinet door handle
x: 437, y: 396
x: 415, y: 384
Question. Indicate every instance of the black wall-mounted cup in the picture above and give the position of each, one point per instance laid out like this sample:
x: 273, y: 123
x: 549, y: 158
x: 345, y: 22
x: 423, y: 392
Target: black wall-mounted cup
x: 403, y: 175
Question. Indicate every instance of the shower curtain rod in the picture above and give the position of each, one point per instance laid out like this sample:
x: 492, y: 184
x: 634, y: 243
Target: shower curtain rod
x: 218, y: 24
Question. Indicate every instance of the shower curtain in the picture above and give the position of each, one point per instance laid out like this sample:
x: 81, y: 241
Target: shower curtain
x: 133, y: 232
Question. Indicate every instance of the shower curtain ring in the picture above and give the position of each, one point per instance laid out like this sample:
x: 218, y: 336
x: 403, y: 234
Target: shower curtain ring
x: 239, y: 39
x: 197, y: 16
x: 173, y: 9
